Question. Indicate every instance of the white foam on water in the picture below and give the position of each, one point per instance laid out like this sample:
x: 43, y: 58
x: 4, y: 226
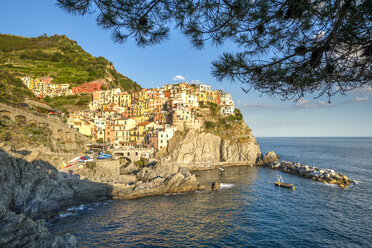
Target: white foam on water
x: 330, y: 185
x: 226, y: 185
x: 81, y: 207
x: 64, y: 215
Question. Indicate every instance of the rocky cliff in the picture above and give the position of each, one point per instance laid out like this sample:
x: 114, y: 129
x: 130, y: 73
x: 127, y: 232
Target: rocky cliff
x: 33, y: 191
x: 31, y: 135
x: 219, y: 146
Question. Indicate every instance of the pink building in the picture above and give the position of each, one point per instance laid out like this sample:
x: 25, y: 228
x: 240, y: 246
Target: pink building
x: 89, y: 87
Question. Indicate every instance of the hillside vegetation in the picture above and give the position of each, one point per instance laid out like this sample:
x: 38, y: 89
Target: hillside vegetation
x: 229, y: 127
x: 12, y: 90
x: 59, y: 57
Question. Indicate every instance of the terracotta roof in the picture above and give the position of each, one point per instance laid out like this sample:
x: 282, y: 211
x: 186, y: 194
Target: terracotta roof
x: 145, y: 123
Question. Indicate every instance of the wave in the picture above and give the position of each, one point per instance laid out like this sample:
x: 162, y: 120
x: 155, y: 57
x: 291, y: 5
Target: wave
x: 81, y: 207
x: 226, y: 185
x: 64, y: 215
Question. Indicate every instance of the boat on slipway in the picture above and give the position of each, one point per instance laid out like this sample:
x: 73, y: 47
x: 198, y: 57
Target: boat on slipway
x: 81, y: 159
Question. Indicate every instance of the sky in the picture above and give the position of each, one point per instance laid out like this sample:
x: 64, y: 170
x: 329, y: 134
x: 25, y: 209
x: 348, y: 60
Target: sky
x: 177, y: 60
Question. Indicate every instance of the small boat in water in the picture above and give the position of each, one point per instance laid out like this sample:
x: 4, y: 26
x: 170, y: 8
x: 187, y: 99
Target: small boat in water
x: 280, y: 183
x: 285, y: 185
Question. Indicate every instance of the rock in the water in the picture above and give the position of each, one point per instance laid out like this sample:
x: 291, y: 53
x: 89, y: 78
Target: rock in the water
x: 269, y: 158
x: 321, y: 175
x: 216, y: 186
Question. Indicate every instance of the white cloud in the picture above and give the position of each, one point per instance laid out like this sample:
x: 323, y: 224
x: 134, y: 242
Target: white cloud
x: 302, y: 103
x: 178, y: 78
x: 196, y: 81
x: 257, y: 105
x: 358, y: 99
x: 361, y: 99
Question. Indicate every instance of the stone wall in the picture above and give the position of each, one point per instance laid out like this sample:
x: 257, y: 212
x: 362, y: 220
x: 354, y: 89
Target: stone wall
x: 133, y: 154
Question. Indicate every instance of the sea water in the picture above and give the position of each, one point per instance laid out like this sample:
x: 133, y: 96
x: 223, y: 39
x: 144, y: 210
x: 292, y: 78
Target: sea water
x: 249, y: 211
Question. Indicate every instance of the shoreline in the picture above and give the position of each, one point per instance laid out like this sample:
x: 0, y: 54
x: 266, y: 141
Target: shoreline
x: 35, y: 192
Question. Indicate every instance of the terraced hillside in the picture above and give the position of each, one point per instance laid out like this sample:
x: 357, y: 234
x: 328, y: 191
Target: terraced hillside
x: 59, y: 57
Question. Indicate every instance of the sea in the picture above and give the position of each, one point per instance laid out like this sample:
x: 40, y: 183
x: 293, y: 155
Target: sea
x: 249, y: 211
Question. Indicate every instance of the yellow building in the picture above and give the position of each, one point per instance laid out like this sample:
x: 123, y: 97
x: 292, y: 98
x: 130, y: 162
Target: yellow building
x: 209, y: 96
x: 202, y: 96
x: 141, y: 130
x: 125, y: 99
x: 87, y: 130
x: 140, y: 118
x: 143, y: 95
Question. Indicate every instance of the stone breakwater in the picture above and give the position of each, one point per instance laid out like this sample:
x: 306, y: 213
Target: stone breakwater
x: 322, y: 175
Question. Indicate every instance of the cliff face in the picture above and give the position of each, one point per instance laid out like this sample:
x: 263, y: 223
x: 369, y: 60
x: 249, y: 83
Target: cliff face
x: 196, y: 149
x: 31, y: 191
x: 30, y: 135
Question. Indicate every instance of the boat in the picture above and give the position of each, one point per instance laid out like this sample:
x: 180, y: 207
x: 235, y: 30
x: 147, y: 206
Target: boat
x: 280, y: 183
x: 104, y: 156
x: 71, y: 162
x: 285, y: 185
x: 85, y: 159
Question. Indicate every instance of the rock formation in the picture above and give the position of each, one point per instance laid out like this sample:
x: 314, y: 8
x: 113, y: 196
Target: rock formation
x: 216, y: 186
x: 196, y: 149
x: 133, y: 181
x: 33, y: 191
x: 269, y: 158
x: 31, y: 135
x: 322, y: 175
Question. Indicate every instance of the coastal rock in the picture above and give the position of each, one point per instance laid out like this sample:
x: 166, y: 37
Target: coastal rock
x: 18, y: 230
x: 33, y: 191
x: 322, y: 175
x: 146, y: 174
x: 196, y: 149
x: 216, y: 186
x: 129, y: 179
x: 269, y: 158
x: 179, y: 182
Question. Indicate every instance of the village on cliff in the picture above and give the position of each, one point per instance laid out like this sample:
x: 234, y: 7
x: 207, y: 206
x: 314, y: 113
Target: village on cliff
x: 146, y: 118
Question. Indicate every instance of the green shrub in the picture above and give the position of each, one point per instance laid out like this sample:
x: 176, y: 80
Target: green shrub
x: 209, y: 124
x: 238, y: 114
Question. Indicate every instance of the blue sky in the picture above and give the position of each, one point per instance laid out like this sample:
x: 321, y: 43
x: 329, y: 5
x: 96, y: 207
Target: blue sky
x: 156, y: 65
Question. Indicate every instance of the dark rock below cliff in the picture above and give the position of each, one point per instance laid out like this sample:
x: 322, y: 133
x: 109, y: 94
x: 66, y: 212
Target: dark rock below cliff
x: 31, y: 192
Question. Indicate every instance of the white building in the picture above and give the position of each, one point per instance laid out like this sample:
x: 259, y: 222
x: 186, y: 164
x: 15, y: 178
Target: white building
x: 165, y: 136
x: 204, y: 87
x: 192, y: 100
x: 228, y: 99
x: 181, y: 96
x: 227, y: 109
